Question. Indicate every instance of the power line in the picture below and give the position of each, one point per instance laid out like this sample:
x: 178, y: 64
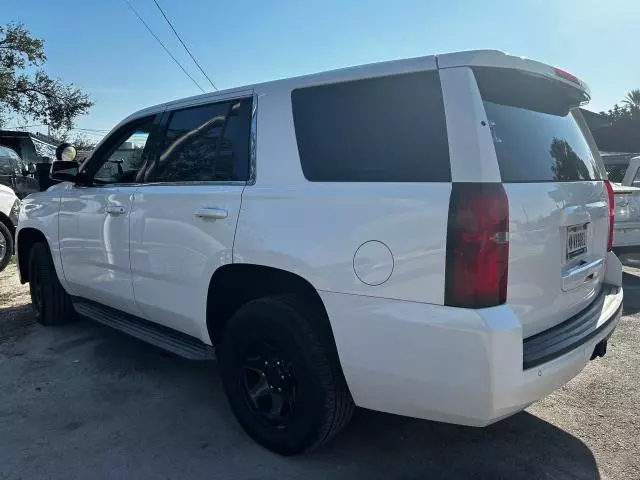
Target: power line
x: 98, y: 130
x: 88, y: 130
x: 97, y: 134
x: 28, y: 126
x: 183, y: 44
x: 162, y: 44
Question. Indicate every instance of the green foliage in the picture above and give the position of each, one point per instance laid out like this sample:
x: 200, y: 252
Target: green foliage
x: 629, y: 111
x: 26, y: 90
x: 82, y: 142
x: 632, y: 100
x: 623, y: 132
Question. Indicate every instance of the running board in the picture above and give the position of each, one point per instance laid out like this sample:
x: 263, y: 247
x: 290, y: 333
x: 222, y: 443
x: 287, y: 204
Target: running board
x: 158, y: 335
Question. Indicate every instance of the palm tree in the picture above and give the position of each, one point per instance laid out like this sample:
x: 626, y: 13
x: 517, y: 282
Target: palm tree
x: 632, y: 100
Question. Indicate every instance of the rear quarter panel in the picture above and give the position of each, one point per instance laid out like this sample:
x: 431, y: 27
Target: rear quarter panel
x: 314, y: 229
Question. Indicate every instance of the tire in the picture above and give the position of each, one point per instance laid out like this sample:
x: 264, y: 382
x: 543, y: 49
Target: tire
x: 316, y: 403
x: 6, y: 246
x: 51, y: 304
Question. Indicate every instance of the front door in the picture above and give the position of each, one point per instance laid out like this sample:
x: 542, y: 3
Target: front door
x: 94, y: 220
x: 184, y: 215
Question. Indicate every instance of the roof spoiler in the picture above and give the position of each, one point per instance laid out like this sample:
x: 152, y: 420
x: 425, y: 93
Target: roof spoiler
x: 498, y: 59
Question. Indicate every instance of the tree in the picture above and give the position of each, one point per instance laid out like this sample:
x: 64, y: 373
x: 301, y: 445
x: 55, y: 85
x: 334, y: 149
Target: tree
x: 623, y: 132
x: 82, y: 142
x: 632, y: 100
x: 26, y: 90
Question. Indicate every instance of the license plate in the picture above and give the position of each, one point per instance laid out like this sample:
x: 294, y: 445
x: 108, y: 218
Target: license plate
x: 576, y: 240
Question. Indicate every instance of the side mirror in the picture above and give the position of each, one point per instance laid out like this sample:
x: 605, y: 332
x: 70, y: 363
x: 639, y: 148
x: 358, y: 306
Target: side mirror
x: 66, y: 152
x: 64, y: 171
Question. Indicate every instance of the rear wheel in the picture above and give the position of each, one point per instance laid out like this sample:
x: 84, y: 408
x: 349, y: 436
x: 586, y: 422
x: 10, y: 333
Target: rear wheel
x: 6, y: 246
x: 51, y: 304
x: 282, y: 376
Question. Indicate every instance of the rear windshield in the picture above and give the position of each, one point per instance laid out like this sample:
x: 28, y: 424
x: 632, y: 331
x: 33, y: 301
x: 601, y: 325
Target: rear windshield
x: 388, y: 129
x: 537, y: 130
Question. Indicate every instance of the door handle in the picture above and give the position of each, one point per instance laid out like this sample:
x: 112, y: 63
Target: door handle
x: 209, y: 213
x: 115, y: 210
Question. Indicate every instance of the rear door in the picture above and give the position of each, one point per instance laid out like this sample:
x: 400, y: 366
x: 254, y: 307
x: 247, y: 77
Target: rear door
x: 185, y: 212
x: 558, y: 203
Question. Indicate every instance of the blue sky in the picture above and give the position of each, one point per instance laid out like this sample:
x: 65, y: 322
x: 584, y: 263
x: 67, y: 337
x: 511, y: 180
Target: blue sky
x: 103, y: 48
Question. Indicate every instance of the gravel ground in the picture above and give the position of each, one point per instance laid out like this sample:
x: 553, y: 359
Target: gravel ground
x: 82, y: 401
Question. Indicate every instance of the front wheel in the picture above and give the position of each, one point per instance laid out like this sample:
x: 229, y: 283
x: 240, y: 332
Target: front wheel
x: 6, y: 246
x: 51, y: 304
x: 281, y: 374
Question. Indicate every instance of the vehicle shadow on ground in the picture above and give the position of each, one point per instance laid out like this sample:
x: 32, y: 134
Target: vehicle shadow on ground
x: 523, y: 446
x: 15, y: 321
x: 171, y: 415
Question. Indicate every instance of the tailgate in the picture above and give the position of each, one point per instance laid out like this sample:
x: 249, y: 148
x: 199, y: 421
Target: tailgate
x: 558, y: 207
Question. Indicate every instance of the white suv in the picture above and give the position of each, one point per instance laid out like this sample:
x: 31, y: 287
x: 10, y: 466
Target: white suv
x: 9, y: 208
x: 428, y: 237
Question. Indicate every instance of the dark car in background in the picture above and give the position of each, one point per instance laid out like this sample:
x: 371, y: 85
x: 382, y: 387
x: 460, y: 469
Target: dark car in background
x: 17, y: 174
x: 32, y: 147
x: 36, y: 152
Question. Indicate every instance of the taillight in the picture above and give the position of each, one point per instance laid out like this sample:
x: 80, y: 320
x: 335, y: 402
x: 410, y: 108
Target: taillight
x: 612, y: 209
x: 477, y: 246
x: 566, y: 75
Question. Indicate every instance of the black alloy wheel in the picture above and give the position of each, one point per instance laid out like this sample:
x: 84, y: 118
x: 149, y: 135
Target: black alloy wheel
x: 281, y: 373
x: 270, y: 383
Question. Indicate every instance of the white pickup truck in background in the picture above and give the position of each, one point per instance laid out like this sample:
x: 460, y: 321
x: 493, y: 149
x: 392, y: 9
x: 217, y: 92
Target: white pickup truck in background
x: 623, y: 171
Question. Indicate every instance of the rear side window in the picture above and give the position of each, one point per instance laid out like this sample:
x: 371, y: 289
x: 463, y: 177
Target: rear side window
x: 536, y: 129
x: 206, y: 143
x: 387, y: 129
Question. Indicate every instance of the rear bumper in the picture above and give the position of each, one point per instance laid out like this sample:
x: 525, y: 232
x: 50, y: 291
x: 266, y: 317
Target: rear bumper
x: 449, y: 364
x: 574, y: 332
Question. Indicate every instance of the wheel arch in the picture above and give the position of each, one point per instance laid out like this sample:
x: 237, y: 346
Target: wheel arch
x: 233, y: 285
x: 26, y: 238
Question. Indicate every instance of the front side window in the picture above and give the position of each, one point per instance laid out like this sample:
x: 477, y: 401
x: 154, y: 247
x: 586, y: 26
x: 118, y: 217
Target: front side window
x: 123, y: 160
x: 205, y: 143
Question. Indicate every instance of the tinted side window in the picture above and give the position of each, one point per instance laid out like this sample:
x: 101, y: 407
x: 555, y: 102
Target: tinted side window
x: 206, y: 143
x: 121, y: 158
x: 536, y: 130
x: 388, y: 129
